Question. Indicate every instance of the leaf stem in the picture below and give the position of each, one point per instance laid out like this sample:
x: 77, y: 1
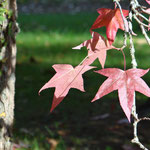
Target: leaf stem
x: 125, y: 32
x: 124, y: 57
x: 83, y: 60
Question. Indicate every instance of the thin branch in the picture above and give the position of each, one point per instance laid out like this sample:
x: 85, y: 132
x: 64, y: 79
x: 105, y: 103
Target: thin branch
x: 142, y: 25
x: 136, y: 141
x: 124, y: 20
x: 145, y: 34
x: 125, y: 25
x: 132, y: 49
x: 145, y: 118
x: 137, y: 13
x: 124, y: 57
x: 139, y: 22
x: 144, y: 11
x: 142, y: 16
x: 133, y: 5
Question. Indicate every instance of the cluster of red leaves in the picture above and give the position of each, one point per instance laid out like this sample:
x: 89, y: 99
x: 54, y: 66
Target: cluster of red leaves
x: 126, y: 82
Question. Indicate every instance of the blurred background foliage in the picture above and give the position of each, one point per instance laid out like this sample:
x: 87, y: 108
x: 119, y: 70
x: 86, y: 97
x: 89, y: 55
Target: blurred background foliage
x: 49, y: 30
x: 61, y: 1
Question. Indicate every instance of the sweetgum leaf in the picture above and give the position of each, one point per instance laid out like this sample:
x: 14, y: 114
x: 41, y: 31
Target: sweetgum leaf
x: 126, y: 82
x: 66, y: 77
x: 112, y: 20
x: 97, y: 48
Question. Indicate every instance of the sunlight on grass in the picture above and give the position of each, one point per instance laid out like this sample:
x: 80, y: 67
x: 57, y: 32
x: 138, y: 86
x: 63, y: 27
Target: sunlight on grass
x: 49, y: 47
x: 57, y: 48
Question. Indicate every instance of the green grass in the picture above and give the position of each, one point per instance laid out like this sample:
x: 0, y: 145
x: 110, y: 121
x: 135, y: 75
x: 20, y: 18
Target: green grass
x: 48, y: 39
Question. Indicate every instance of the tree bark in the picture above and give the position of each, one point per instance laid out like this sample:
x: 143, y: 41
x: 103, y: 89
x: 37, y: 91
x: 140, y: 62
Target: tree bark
x: 7, y: 77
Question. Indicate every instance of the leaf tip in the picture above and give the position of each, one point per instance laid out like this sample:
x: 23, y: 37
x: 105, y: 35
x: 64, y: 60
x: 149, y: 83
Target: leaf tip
x: 94, y: 99
x: 39, y: 91
x: 51, y: 109
x: 76, y: 47
x: 129, y: 119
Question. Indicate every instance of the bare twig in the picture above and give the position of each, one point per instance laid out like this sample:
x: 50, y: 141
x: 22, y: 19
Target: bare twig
x: 132, y: 49
x: 145, y: 34
x: 138, y: 14
x: 142, y: 16
x: 133, y: 5
x: 142, y: 26
x: 145, y: 118
x: 144, y: 11
x: 139, y: 22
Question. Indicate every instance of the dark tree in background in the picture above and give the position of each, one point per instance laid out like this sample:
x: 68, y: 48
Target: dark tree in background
x: 7, y: 78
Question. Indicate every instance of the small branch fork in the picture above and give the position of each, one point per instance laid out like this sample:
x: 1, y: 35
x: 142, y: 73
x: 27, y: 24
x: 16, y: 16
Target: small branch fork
x: 134, y: 12
x: 137, y: 10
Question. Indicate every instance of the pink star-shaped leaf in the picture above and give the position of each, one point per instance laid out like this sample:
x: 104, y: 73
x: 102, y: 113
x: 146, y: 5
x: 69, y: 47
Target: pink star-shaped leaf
x: 66, y: 77
x: 97, y: 48
x: 126, y: 82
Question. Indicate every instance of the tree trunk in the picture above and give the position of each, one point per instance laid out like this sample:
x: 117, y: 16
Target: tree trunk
x: 7, y: 76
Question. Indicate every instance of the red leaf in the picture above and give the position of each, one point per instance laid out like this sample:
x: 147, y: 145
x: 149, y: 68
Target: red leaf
x: 148, y: 1
x: 112, y: 20
x: 97, y: 47
x: 66, y: 77
x: 126, y: 82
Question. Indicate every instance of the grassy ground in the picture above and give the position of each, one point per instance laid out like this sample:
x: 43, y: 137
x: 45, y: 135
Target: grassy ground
x: 45, y: 40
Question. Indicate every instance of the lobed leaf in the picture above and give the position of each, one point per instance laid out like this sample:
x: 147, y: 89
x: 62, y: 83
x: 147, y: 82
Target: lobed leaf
x: 66, y: 77
x: 112, y: 20
x: 126, y: 82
